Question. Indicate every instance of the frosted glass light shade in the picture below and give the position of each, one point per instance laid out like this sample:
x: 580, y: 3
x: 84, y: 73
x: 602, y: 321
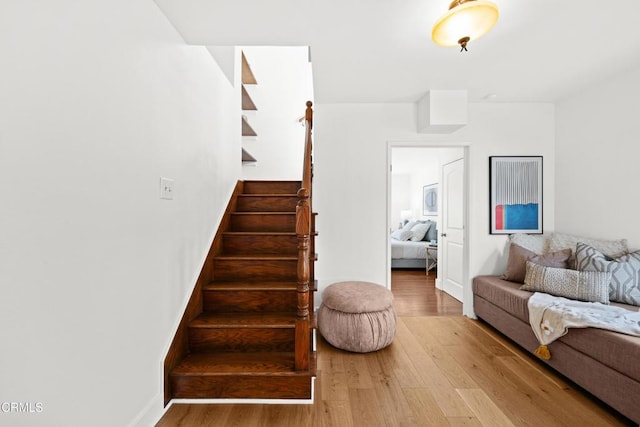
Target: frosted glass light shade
x: 472, y: 19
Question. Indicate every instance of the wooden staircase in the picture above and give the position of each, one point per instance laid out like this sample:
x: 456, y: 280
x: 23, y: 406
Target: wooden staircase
x: 247, y: 331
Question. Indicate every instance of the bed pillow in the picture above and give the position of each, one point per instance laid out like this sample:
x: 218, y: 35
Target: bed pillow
x: 518, y: 257
x: 625, y: 272
x: 409, y: 225
x: 402, y: 235
x: 592, y: 286
x: 419, y: 231
x: 432, y: 232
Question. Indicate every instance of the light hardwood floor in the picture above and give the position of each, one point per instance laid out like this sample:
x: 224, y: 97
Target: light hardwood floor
x: 441, y: 370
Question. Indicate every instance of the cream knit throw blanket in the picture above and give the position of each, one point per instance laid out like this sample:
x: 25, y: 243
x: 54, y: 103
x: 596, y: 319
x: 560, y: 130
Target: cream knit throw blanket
x: 551, y: 317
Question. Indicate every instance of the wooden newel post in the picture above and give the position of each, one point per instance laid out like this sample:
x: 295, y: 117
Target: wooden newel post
x: 303, y: 232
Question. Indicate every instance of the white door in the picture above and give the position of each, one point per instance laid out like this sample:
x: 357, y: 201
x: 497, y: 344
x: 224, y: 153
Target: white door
x: 452, y: 233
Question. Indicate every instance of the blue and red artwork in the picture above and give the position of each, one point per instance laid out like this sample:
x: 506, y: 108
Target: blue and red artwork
x: 516, y: 195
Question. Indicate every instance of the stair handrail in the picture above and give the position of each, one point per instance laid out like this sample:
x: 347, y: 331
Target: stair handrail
x: 303, y: 232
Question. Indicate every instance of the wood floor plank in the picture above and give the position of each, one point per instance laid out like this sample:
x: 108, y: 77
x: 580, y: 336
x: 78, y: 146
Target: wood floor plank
x: 548, y: 395
x: 331, y: 413
x: 434, y: 379
x: 357, y: 371
x: 365, y: 410
x: 287, y: 415
x: 464, y: 422
x: 398, y: 360
x: 333, y: 372
x: 421, y: 328
x: 395, y: 408
x: 244, y: 416
x: 486, y: 411
x: 425, y: 409
x: 513, y: 396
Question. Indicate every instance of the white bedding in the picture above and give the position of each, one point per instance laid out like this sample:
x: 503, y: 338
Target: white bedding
x: 409, y: 249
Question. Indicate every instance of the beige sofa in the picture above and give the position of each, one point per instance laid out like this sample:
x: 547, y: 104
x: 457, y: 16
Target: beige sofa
x: 605, y: 363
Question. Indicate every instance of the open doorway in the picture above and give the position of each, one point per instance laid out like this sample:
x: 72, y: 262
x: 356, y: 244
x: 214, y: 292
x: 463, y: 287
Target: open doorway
x: 427, y: 190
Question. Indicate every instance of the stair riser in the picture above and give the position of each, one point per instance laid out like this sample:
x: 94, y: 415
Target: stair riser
x: 240, y: 387
x: 267, y: 203
x: 256, y: 245
x: 254, y: 270
x: 252, y: 301
x: 264, y: 223
x: 243, y: 339
x: 267, y: 187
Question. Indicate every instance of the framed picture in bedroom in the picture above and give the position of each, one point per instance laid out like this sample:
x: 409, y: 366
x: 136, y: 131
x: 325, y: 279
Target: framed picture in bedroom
x: 515, y: 199
x: 430, y: 199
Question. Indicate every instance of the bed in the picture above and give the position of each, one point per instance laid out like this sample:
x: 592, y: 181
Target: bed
x: 407, y: 253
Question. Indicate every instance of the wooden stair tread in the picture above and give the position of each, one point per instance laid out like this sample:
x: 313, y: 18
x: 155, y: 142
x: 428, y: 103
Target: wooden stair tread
x: 262, y: 213
x: 272, y: 181
x: 262, y: 233
x: 251, y: 286
x: 256, y: 257
x: 244, y: 320
x: 238, y: 363
x: 267, y: 195
x: 256, y: 286
x: 259, y: 233
x: 257, y: 213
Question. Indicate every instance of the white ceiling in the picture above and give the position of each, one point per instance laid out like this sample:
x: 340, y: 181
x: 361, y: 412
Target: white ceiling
x: 381, y: 50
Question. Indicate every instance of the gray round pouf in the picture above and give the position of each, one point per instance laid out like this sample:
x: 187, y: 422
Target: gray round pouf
x: 357, y: 316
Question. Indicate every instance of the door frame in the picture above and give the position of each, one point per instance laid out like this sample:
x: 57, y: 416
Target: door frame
x: 465, y: 262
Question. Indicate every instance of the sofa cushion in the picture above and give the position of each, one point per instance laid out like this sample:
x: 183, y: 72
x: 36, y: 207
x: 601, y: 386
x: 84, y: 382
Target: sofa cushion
x: 625, y: 272
x: 615, y: 350
x: 578, y: 285
x: 506, y: 295
x: 518, y: 257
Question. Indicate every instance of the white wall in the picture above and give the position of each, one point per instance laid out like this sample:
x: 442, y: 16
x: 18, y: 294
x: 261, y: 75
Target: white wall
x: 351, y: 180
x: 400, y: 198
x: 99, y: 100
x: 284, y: 86
x: 597, y: 152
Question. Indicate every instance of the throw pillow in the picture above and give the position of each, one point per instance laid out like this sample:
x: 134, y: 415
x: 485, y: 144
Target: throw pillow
x: 537, y: 243
x: 625, y: 272
x: 418, y: 231
x: 518, y: 257
x: 611, y: 248
x: 402, y: 235
x: 432, y: 233
x: 592, y: 286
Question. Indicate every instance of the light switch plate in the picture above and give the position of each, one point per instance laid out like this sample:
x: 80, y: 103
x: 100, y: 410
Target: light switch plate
x: 166, y: 188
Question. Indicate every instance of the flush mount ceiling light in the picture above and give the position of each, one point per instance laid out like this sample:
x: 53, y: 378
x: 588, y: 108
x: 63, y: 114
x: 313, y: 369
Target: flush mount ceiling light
x: 465, y: 20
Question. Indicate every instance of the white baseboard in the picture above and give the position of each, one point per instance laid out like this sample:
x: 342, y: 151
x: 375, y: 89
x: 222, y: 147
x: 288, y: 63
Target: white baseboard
x: 150, y: 414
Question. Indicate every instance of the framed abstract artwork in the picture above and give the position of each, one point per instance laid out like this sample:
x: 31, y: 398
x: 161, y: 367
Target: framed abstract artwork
x: 515, y: 194
x: 430, y: 199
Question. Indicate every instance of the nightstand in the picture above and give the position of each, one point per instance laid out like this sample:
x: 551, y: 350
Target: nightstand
x: 432, y: 257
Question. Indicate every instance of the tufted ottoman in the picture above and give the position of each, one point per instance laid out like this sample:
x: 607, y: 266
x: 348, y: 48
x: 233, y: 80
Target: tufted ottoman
x: 357, y: 316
